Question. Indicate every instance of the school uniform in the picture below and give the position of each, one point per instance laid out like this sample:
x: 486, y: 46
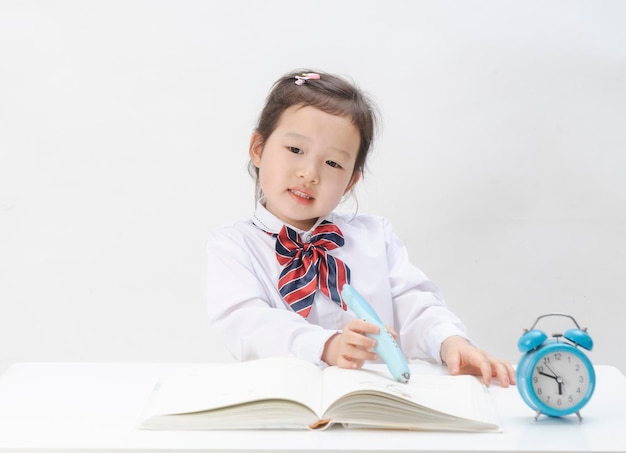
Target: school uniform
x: 249, y: 314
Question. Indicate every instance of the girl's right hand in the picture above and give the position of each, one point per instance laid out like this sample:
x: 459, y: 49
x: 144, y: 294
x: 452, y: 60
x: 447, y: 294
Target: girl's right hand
x: 351, y: 348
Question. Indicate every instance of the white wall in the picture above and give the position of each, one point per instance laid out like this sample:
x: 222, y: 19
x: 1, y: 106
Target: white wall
x: 124, y: 128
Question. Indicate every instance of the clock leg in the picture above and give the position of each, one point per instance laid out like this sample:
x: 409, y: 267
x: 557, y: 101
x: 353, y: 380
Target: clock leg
x: 580, y: 417
x: 537, y: 415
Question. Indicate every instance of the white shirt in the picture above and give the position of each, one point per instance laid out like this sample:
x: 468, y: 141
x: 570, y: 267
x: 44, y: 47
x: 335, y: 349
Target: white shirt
x: 247, y: 311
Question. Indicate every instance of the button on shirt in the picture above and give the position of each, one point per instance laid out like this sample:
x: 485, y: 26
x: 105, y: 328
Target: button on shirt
x: 247, y: 311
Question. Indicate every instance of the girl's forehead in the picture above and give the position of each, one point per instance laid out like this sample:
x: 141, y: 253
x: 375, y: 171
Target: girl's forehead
x: 309, y: 117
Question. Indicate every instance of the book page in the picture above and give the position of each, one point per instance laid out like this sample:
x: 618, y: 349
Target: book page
x: 214, y: 385
x: 458, y: 396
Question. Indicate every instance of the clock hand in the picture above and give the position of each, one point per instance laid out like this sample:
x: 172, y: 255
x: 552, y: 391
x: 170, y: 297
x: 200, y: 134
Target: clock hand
x: 558, y: 379
x: 548, y: 367
x: 549, y: 375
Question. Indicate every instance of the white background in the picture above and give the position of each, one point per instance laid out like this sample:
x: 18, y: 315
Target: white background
x: 124, y: 129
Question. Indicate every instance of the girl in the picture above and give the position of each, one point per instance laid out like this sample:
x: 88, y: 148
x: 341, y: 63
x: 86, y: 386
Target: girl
x: 273, y: 283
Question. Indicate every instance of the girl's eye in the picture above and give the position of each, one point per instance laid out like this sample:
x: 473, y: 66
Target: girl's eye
x: 333, y: 164
x: 294, y: 150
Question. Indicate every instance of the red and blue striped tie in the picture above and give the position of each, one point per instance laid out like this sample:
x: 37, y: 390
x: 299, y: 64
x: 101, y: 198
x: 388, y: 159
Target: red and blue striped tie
x: 307, y: 267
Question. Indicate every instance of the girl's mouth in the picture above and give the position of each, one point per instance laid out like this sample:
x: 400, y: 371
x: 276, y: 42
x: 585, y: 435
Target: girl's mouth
x: 300, y: 194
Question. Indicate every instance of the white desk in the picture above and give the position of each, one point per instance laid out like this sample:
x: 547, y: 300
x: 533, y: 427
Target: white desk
x: 92, y: 407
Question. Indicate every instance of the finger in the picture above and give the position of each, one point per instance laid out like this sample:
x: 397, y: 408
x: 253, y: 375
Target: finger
x: 355, y: 333
x: 393, y: 333
x: 512, y: 374
x: 362, y: 326
x: 486, y: 370
x: 353, y: 357
x: 506, y: 374
x: 500, y: 373
x: 345, y: 362
x: 453, y: 362
x: 503, y: 371
x: 359, y: 354
x: 358, y: 340
x: 356, y: 346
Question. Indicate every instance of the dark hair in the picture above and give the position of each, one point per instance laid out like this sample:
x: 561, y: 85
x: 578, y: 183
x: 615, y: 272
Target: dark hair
x: 331, y: 94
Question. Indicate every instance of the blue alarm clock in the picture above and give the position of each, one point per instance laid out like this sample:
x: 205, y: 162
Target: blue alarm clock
x: 554, y: 376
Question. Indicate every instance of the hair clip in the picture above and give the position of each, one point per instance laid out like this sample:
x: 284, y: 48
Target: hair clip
x: 306, y: 76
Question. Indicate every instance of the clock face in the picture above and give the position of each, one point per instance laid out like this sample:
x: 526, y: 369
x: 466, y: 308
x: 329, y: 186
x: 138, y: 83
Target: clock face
x: 561, y: 378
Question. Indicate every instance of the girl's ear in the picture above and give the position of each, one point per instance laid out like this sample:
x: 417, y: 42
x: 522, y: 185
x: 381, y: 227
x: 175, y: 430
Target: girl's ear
x: 256, y: 149
x: 353, y: 181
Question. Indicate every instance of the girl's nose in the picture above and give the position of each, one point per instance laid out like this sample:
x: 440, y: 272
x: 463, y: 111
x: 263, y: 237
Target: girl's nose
x: 309, y: 171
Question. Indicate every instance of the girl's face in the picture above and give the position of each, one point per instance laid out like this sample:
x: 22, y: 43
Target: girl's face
x: 306, y: 165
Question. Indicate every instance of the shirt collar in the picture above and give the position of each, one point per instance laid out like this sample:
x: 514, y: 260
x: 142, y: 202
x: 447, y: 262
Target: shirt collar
x: 267, y: 221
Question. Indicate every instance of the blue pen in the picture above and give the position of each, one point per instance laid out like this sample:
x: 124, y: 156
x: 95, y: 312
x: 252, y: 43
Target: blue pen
x: 386, y: 346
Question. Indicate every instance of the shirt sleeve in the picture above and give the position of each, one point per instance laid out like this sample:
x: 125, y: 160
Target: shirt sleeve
x: 244, y: 310
x: 420, y: 313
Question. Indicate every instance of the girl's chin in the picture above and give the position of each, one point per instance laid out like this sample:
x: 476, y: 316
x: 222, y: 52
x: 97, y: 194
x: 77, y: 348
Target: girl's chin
x: 303, y: 224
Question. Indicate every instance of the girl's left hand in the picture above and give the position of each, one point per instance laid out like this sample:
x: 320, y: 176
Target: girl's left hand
x: 463, y: 358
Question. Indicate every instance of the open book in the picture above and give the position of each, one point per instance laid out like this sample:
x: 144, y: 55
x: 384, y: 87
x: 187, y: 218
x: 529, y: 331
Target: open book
x: 288, y: 393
